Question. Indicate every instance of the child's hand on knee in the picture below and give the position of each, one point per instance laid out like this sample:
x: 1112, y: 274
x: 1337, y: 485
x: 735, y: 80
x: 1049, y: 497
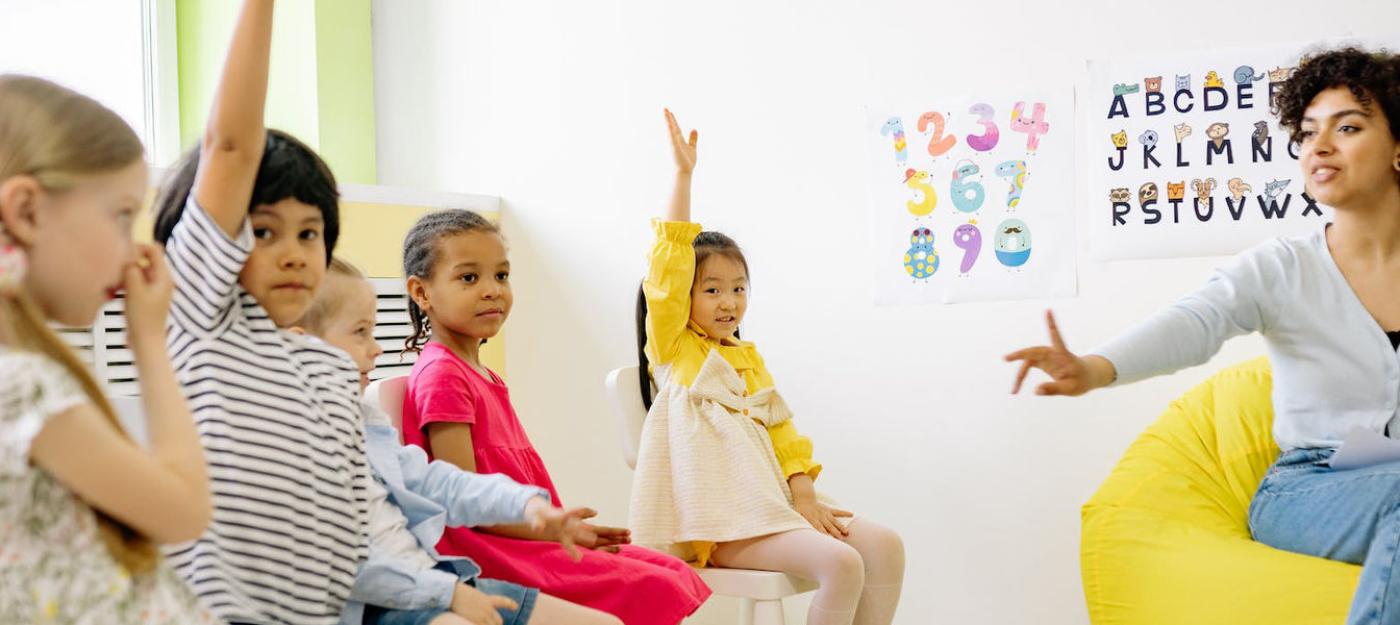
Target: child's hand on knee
x: 478, y: 607
x: 823, y: 517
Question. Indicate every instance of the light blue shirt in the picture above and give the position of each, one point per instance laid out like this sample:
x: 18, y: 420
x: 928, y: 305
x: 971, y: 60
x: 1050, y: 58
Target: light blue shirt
x: 433, y: 496
x: 1333, y: 366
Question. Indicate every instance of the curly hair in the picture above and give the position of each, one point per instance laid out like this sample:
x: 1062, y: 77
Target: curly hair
x: 1373, y: 77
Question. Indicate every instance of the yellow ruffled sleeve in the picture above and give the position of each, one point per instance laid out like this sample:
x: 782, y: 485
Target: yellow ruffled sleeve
x: 667, y: 287
x: 794, y: 450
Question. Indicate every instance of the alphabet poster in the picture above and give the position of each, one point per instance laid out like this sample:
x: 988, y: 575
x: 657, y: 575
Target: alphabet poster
x: 1186, y: 157
x: 972, y: 198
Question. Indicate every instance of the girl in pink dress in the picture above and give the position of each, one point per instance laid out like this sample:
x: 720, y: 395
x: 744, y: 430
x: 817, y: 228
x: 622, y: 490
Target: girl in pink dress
x: 459, y: 411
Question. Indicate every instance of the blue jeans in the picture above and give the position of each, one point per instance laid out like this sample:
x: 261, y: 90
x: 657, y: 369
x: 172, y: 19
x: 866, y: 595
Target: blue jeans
x: 1307, y: 507
x: 522, y: 596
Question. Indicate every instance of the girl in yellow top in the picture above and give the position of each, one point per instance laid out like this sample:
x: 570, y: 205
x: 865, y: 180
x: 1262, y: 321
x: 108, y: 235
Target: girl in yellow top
x: 723, y: 477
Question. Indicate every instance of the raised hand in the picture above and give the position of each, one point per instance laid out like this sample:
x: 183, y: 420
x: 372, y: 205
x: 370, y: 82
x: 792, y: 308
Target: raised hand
x: 684, y: 148
x: 1069, y: 374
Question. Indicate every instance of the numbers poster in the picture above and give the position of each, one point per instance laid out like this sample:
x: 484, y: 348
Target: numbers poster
x: 1186, y: 158
x: 973, y: 199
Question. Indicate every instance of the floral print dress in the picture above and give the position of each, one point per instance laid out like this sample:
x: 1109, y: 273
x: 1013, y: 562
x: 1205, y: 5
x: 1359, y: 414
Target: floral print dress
x: 54, y: 568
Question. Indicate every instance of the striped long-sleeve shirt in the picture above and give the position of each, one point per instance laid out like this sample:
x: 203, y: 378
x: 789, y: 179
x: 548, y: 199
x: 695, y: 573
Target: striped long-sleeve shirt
x: 278, y: 415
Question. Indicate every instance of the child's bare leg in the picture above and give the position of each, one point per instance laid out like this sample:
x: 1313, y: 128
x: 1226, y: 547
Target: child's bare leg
x: 555, y: 611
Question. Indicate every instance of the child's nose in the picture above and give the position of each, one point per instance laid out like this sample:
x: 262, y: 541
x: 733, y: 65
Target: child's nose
x: 292, y: 257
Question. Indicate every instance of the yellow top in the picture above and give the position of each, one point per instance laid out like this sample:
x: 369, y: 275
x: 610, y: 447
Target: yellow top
x: 673, y: 339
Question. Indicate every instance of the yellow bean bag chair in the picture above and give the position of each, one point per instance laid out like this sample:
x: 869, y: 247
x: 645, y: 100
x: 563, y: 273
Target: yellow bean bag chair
x: 1165, y: 540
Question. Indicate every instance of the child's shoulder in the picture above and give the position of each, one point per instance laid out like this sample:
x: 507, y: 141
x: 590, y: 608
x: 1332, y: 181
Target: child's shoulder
x: 35, y: 385
x: 436, y: 362
x: 22, y: 365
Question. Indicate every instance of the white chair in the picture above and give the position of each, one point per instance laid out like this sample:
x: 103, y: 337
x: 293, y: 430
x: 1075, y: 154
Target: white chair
x: 388, y: 394
x: 760, y: 593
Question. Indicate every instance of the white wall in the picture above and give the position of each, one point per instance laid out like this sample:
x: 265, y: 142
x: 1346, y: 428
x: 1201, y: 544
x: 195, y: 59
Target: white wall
x: 556, y: 106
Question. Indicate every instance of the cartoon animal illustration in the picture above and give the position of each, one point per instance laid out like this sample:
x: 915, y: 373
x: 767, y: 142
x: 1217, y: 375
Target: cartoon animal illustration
x: 968, y: 239
x: 1153, y: 84
x: 1273, y: 189
x: 1203, y: 188
x: 1244, y: 74
x: 1013, y: 243
x: 918, y: 181
x: 1015, y: 173
x: 1238, y: 188
x: 1120, y: 194
x: 1125, y: 88
x: 1033, y: 126
x: 1213, y: 80
x: 1176, y: 190
x: 1280, y: 74
x: 1261, y: 132
x: 1120, y: 139
x: 1148, y: 138
x: 1147, y: 193
x: 894, y: 126
x: 967, y: 192
x: 1217, y: 133
x: 1182, y: 131
x: 1183, y: 82
x: 921, y: 261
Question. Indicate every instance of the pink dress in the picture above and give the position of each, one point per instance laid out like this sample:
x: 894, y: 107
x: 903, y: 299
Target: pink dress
x: 638, y: 585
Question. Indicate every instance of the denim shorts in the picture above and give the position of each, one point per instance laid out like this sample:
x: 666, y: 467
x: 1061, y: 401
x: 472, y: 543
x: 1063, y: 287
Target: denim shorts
x: 522, y: 596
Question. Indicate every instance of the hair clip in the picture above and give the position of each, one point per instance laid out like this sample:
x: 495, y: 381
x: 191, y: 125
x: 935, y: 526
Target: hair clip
x: 13, y: 264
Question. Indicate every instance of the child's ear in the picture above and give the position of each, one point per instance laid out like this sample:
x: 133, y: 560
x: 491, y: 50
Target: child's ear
x: 418, y: 292
x: 19, y: 202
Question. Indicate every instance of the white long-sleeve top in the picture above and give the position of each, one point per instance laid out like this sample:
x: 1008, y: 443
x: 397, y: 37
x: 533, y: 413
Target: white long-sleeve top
x: 1333, y: 366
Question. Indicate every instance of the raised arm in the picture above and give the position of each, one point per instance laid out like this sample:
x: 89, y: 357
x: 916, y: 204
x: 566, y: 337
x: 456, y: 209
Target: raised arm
x: 235, y: 136
x: 679, y: 209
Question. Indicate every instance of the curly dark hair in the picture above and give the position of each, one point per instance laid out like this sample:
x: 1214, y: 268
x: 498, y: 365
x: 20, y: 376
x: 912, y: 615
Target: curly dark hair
x: 1373, y: 77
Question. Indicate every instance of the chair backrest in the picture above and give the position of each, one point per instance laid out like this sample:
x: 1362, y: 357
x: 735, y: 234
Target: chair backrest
x: 627, y: 406
x: 388, y: 394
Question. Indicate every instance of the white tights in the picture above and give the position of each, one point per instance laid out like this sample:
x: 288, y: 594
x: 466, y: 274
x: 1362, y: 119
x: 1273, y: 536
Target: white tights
x: 859, y: 578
